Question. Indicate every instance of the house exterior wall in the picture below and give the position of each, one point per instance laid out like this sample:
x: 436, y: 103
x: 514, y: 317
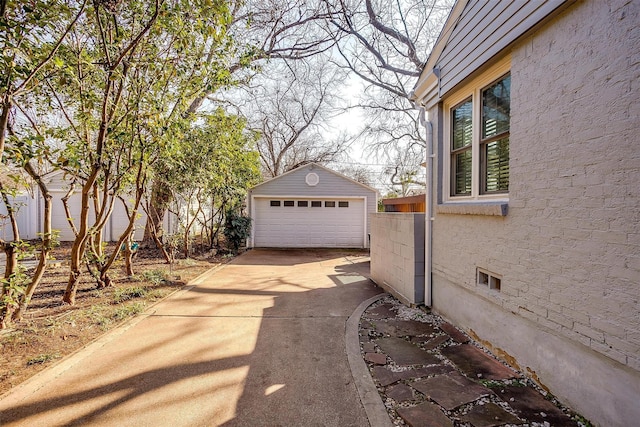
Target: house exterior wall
x: 397, y: 254
x: 568, y: 249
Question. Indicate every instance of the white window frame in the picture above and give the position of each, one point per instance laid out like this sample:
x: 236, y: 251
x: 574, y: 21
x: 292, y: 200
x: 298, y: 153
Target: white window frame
x: 472, y: 90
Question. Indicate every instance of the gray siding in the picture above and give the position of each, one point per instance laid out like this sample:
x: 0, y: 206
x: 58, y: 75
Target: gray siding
x: 484, y: 29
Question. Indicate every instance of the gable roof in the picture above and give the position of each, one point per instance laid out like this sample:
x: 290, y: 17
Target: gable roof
x: 313, y: 165
x: 475, y: 32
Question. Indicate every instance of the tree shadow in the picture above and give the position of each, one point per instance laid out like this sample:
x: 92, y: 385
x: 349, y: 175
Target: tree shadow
x: 284, y: 366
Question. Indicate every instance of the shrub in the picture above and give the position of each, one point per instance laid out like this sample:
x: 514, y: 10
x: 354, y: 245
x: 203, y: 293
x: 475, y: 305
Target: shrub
x: 237, y: 229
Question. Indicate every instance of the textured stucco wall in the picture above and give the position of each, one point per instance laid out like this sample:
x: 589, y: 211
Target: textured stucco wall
x: 569, y: 248
x: 397, y: 254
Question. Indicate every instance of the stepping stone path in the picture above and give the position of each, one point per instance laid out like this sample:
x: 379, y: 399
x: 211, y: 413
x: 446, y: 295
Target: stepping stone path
x: 429, y: 373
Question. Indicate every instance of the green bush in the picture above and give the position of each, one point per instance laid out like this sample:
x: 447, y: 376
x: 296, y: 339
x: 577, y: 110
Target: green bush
x: 237, y: 229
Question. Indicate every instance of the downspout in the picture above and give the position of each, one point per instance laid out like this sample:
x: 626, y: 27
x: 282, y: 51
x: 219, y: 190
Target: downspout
x: 428, y: 215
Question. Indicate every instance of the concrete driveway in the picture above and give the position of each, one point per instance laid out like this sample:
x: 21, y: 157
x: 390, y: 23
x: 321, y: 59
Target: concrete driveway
x: 258, y: 342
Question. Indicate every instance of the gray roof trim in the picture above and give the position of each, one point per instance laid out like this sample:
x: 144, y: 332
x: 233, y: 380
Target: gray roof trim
x: 475, y: 33
x: 311, y: 166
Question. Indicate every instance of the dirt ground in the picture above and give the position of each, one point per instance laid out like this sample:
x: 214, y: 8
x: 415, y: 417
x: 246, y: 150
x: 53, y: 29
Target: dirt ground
x: 51, y: 329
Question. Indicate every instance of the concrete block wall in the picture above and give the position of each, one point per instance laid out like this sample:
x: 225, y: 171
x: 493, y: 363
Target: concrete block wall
x: 397, y: 254
x: 568, y: 251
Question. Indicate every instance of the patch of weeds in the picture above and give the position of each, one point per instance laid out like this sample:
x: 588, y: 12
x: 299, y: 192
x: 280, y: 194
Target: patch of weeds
x: 42, y: 358
x: 51, y: 325
x: 516, y: 383
x: 157, y: 294
x: 14, y: 337
x: 98, y: 293
x: 156, y: 277
x: 98, y: 314
x: 128, y: 293
x: 491, y: 383
x: 187, y: 262
x: 582, y: 421
x: 128, y: 310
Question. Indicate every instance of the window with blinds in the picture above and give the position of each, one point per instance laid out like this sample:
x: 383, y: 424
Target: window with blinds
x: 461, y: 148
x: 494, y: 140
x: 478, y: 138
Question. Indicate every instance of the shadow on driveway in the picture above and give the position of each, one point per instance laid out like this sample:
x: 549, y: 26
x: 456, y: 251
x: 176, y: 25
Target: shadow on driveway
x: 258, y: 342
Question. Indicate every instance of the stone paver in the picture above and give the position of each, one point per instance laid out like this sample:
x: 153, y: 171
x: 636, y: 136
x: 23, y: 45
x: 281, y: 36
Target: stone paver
x: 383, y: 311
x: 369, y: 347
x: 454, y: 333
x: 429, y: 343
x: 401, y: 328
x: 477, y: 364
x: 385, y: 376
x: 451, y: 390
x: 489, y: 415
x: 400, y: 393
x: 449, y: 387
x: 429, y: 371
x: 426, y: 414
x: 403, y: 352
x: 376, y: 358
x: 531, y: 405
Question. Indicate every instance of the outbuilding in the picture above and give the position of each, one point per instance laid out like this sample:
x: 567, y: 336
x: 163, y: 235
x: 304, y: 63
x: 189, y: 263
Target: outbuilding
x: 311, y: 207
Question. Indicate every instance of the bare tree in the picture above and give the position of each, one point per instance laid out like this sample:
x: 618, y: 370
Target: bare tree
x: 270, y: 30
x: 386, y: 45
x: 289, y: 106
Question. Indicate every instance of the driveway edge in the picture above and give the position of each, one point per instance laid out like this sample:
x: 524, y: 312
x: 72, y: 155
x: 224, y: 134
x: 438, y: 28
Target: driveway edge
x: 369, y: 396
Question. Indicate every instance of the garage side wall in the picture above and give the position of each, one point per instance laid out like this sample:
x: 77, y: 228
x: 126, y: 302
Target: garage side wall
x: 397, y: 254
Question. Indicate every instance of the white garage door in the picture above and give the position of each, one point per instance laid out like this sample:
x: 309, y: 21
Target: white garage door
x: 309, y: 223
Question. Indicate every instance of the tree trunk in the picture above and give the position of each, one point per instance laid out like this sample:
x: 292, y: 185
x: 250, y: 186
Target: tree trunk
x: 78, y: 247
x: 128, y: 256
x: 4, y: 121
x: 160, y: 199
x: 11, y: 265
x: 45, y: 249
x: 125, y: 237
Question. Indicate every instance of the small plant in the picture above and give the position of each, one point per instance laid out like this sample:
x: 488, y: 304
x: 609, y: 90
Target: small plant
x: 128, y: 310
x: 98, y: 314
x: 156, y: 294
x: 125, y: 294
x: 156, y: 277
x: 582, y: 421
x: 41, y: 358
x: 12, y: 288
x: 491, y: 383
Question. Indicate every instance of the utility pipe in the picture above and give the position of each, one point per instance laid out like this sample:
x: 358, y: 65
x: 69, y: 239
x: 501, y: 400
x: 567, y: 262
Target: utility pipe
x: 428, y: 215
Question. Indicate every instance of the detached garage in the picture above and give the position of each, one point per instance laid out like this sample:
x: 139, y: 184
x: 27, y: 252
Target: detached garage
x: 311, y: 207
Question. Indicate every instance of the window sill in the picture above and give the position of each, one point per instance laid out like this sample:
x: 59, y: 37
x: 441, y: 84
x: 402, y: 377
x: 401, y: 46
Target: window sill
x: 474, y: 208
